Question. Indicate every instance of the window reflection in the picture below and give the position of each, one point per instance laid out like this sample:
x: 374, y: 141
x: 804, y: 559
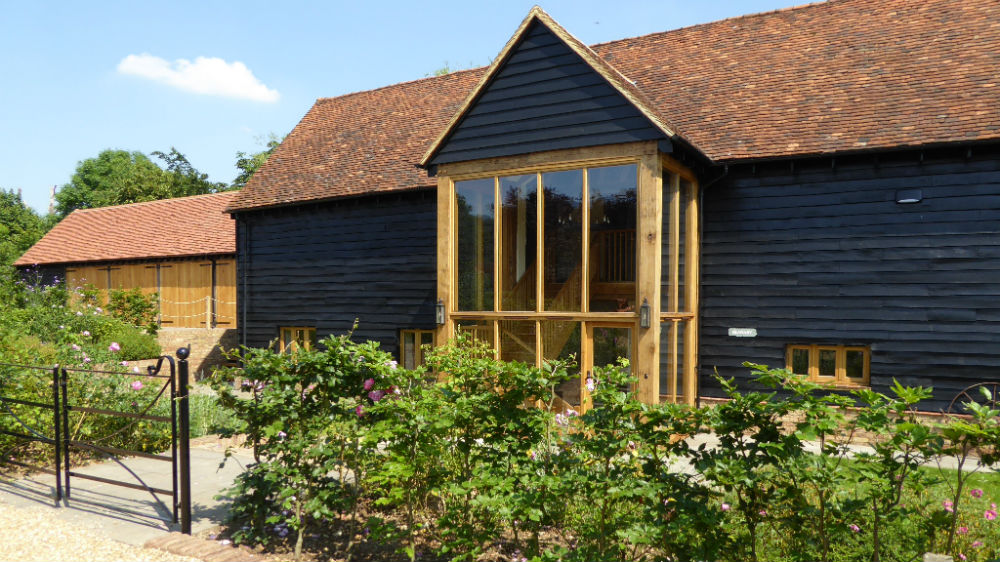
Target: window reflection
x: 474, y: 205
x: 612, y: 192
x: 518, y: 268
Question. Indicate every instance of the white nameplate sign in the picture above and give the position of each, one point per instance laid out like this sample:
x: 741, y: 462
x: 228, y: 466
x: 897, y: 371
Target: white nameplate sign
x: 743, y: 332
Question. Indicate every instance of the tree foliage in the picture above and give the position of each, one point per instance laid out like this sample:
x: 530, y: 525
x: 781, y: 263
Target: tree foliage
x: 20, y: 226
x: 117, y: 177
x: 249, y: 163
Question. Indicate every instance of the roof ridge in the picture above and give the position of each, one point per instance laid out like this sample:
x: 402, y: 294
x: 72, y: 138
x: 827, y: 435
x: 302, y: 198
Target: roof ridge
x: 591, y: 46
x: 138, y: 203
x: 723, y: 20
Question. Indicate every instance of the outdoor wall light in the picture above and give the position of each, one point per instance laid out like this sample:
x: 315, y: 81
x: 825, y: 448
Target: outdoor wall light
x: 439, y: 312
x: 644, y: 314
x: 907, y: 196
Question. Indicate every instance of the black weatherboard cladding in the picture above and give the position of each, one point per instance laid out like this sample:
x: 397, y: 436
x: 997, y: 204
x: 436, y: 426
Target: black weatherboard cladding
x: 821, y: 253
x: 325, y: 265
x: 544, y: 98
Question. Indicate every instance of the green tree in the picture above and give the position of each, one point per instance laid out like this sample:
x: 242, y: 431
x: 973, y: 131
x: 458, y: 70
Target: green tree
x: 117, y: 177
x: 20, y: 226
x: 249, y: 163
x: 184, y: 178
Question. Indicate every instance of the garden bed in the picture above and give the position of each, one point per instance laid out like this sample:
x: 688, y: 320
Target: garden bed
x: 357, y: 455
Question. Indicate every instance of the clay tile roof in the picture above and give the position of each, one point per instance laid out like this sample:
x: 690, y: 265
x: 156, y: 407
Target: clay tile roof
x: 843, y: 75
x: 836, y: 76
x: 186, y: 226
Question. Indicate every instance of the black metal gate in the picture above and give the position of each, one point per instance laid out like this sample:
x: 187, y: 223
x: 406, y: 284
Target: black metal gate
x: 57, y: 434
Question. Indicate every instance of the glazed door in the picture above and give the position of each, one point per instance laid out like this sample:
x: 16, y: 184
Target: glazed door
x: 604, y: 345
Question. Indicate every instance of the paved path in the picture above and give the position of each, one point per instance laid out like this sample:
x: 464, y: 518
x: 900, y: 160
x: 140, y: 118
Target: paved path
x: 129, y: 516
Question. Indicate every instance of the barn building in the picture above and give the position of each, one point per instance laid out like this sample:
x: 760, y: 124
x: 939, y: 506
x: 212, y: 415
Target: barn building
x: 816, y: 187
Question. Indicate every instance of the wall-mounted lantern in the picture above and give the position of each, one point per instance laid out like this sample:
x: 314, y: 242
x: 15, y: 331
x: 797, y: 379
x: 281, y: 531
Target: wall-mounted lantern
x: 644, y: 314
x: 439, y: 312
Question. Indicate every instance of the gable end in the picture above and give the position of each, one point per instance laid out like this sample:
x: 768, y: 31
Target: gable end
x: 545, y: 97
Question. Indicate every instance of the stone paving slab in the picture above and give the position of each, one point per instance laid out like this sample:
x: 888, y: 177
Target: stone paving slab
x: 134, y: 516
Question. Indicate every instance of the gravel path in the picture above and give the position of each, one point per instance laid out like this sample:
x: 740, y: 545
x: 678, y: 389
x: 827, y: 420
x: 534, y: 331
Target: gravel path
x: 33, y: 535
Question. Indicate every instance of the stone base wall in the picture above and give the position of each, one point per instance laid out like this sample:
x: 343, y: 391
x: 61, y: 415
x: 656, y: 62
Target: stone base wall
x: 206, y: 346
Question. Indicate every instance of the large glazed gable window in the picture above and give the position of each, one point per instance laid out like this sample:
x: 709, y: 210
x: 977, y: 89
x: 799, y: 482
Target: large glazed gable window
x: 557, y: 256
x: 551, y: 226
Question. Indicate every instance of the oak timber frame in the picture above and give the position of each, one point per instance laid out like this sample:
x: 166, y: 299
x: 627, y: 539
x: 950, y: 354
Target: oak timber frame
x: 653, y: 167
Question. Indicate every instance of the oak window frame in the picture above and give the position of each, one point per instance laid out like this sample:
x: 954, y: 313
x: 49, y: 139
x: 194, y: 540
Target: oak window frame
x: 419, y: 353
x: 839, y: 378
x: 289, y: 340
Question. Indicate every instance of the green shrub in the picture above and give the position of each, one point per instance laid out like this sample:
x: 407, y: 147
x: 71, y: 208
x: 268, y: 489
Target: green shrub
x: 134, y: 307
x: 482, y: 461
x: 134, y: 344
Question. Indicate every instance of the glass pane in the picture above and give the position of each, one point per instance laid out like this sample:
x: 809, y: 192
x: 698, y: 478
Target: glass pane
x: 610, y: 343
x: 518, y: 272
x: 561, y: 340
x: 828, y: 362
x: 517, y: 341
x: 612, y: 193
x: 474, y: 208
x: 563, y: 231
x: 685, y: 197
x: 672, y: 361
x: 855, y: 364
x: 426, y: 338
x: 800, y: 361
x: 481, y: 331
x: 409, y: 359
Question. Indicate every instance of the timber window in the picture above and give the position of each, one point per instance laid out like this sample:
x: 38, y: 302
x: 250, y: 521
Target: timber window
x: 296, y: 338
x: 412, y: 347
x: 552, y: 256
x: 841, y: 365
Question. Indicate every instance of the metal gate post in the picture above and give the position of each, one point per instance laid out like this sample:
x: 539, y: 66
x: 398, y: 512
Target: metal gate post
x: 64, y: 405
x: 184, y: 438
x: 56, y: 437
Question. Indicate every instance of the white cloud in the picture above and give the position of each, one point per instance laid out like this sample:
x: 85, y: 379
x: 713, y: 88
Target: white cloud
x: 206, y: 75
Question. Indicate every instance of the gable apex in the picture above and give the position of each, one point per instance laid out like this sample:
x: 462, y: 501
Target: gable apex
x: 584, y: 77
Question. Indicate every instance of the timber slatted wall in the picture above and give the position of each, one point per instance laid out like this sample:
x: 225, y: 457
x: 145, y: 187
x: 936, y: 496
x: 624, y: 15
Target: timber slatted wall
x: 192, y: 294
x: 323, y: 266
x: 823, y: 254
x: 544, y: 98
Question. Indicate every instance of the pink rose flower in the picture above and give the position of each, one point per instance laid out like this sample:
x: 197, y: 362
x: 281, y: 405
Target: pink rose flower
x: 724, y: 507
x: 854, y: 528
x: 369, y: 384
x: 114, y: 347
x: 137, y: 385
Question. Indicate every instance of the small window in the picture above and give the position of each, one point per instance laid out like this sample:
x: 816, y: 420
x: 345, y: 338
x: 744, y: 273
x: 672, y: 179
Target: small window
x: 411, y: 348
x: 296, y: 338
x: 840, y: 365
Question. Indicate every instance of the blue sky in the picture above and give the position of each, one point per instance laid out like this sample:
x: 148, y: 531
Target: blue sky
x: 80, y: 77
